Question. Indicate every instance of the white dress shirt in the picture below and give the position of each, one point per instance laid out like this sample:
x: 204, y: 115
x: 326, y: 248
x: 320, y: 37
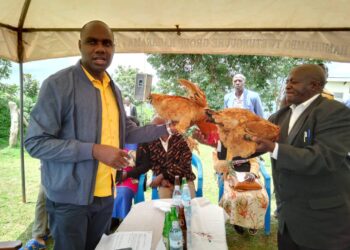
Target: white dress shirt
x: 165, y: 143
x: 297, y: 110
x: 127, y: 110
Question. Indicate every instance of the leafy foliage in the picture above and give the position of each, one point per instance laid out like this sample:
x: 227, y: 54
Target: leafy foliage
x: 5, y: 119
x: 7, y: 93
x: 214, y: 74
x: 125, y: 77
x: 30, y: 92
x: 10, y: 92
x: 5, y: 69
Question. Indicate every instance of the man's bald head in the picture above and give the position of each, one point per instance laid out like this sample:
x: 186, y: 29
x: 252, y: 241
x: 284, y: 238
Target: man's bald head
x: 311, y: 72
x: 93, y: 24
x: 304, y: 82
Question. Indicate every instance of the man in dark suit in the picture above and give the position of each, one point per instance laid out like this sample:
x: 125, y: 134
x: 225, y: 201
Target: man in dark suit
x: 311, y: 165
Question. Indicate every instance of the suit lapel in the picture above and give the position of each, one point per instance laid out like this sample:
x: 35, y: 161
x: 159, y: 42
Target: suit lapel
x: 301, y: 120
x: 284, y: 123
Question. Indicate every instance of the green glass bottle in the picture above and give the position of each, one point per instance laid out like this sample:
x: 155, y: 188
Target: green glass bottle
x: 183, y: 182
x: 173, y: 213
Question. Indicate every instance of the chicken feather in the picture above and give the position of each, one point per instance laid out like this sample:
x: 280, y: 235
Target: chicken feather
x: 236, y: 125
x: 184, y: 110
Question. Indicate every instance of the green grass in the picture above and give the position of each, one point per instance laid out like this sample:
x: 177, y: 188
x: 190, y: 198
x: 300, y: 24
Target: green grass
x: 16, y: 217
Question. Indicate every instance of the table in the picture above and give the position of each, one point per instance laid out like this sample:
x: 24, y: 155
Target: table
x: 208, y: 223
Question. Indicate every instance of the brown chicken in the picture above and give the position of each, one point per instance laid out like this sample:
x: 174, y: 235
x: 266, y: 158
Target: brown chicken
x: 237, y: 126
x: 184, y: 110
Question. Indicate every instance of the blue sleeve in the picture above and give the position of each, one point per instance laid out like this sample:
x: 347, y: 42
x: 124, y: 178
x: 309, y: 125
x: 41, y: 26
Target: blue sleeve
x: 226, y: 101
x: 258, y: 106
x: 43, y: 135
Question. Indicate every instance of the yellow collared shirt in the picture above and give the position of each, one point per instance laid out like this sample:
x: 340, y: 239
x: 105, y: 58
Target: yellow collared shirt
x: 105, y: 178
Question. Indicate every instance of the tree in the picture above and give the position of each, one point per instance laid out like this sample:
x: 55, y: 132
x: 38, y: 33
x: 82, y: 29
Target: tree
x: 5, y: 69
x: 214, y: 73
x: 125, y: 78
x: 5, y: 94
x: 9, y: 102
x: 30, y: 93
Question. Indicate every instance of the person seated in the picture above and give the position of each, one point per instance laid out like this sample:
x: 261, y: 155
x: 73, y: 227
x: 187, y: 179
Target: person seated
x: 167, y: 156
x: 246, y: 205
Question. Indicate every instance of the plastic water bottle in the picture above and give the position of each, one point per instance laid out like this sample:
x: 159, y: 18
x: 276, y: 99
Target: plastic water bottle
x: 175, y: 237
x: 177, y: 194
x: 186, y: 202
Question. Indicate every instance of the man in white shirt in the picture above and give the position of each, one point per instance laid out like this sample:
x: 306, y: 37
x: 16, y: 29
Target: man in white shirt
x: 241, y: 97
x: 311, y: 165
x: 130, y: 109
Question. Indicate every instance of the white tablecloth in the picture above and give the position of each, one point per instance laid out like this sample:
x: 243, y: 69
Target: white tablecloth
x: 208, y: 223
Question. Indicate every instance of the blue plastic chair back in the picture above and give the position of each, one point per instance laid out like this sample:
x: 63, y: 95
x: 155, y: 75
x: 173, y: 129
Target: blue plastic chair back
x: 196, y: 162
x: 140, y: 195
x: 267, y: 180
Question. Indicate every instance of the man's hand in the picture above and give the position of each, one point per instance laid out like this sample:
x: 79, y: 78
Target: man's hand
x: 111, y: 156
x: 199, y: 136
x: 156, y: 181
x: 171, y: 127
x: 263, y: 145
x: 166, y: 183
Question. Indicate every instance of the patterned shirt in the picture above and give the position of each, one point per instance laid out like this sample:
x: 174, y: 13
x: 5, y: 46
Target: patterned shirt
x: 175, y: 161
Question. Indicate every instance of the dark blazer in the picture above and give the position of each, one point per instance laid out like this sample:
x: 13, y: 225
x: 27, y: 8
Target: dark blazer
x: 312, y: 175
x: 133, y: 111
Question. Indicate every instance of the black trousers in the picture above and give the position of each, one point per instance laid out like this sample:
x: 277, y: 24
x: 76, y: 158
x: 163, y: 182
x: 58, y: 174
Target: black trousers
x: 75, y: 227
x: 285, y: 242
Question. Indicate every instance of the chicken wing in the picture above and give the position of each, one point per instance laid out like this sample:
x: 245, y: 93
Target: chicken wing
x: 237, y: 125
x: 184, y: 110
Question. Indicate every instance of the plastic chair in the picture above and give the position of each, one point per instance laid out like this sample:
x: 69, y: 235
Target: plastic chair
x: 196, y: 162
x: 10, y: 245
x: 140, y: 195
x: 267, y: 180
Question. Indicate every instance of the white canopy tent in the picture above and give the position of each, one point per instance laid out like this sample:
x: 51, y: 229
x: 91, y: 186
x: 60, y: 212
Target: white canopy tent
x: 40, y: 29
x: 299, y: 28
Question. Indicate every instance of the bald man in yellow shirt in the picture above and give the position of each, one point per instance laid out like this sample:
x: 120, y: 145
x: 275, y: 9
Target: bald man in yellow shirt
x: 78, y: 129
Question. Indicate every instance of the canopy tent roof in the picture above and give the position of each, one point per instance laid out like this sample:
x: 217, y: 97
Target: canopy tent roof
x: 299, y: 28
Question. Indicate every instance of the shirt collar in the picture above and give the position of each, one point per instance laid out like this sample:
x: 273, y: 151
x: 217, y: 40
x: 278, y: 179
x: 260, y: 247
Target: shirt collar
x: 304, y: 104
x: 96, y: 82
x: 167, y: 140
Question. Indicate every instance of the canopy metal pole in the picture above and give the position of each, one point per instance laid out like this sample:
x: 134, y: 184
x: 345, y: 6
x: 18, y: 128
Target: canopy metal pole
x: 20, y: 51
x: 21, y: 133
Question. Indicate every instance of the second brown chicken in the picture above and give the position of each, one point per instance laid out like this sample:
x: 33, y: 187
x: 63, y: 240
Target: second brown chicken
x: 236, y: 126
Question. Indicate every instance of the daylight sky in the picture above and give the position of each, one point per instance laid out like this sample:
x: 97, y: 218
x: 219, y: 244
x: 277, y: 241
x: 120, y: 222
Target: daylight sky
x: 40, y: 70
x: 44, y: 68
